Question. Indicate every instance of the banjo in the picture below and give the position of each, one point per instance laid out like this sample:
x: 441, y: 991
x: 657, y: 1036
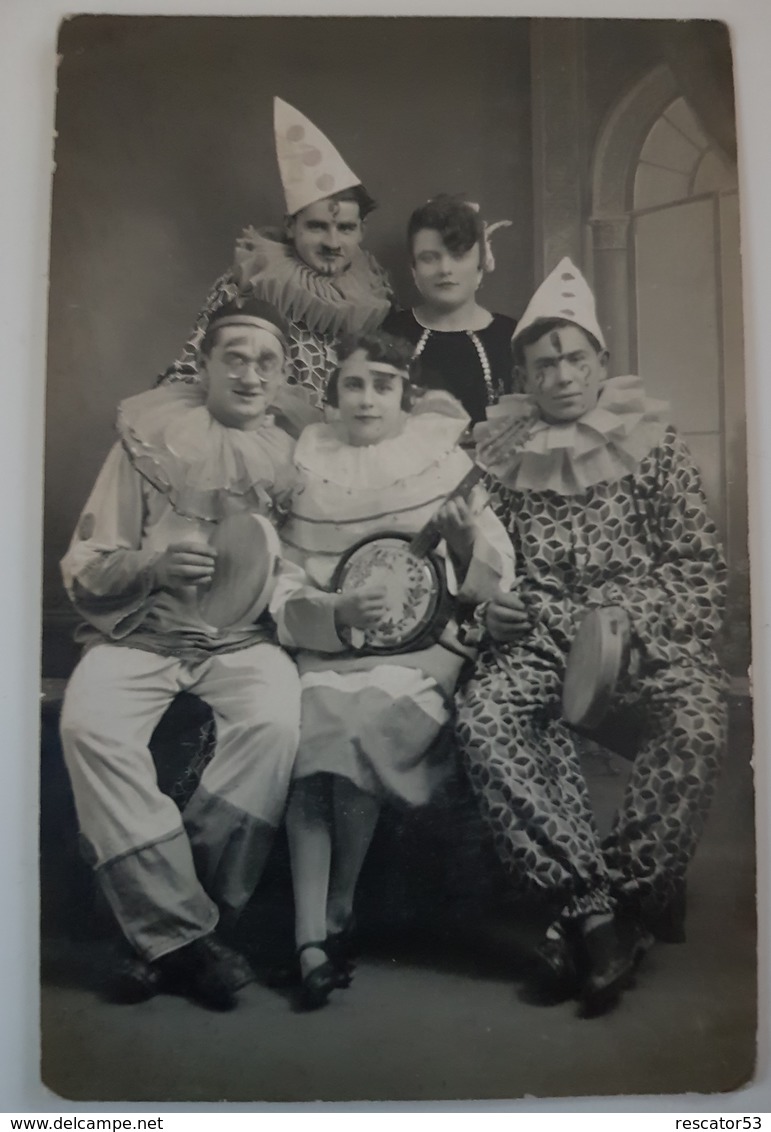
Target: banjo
x: 598, y: 657
x: 248, y: 554
x: 414, y: 578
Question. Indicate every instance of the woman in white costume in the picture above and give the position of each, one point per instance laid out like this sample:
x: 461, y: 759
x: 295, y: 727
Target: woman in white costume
x: 369, y: 721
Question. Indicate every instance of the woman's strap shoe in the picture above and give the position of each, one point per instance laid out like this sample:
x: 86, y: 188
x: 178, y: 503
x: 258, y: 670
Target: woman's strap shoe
x: 318, y: 984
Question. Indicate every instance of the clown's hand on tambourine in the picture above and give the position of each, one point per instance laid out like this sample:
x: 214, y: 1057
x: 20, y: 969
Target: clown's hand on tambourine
x: 183, y: 564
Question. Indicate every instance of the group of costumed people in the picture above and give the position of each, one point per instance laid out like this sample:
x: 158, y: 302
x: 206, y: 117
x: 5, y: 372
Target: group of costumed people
x: 304, y: 397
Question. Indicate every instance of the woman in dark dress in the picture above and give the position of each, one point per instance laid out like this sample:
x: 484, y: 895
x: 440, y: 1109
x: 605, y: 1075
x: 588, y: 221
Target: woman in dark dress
x: 462, y: 347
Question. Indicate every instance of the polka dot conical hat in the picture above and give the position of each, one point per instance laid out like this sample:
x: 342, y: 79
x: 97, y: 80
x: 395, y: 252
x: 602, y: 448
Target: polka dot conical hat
x: 563, y: 294
x: 310, y: 166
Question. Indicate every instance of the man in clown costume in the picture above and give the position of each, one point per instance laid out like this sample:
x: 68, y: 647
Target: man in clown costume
x: 314, y: 270
x: 187, y: 457
x: 605, y: 509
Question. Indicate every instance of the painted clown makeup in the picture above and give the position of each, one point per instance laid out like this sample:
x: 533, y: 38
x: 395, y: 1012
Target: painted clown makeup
x: 563, y: 372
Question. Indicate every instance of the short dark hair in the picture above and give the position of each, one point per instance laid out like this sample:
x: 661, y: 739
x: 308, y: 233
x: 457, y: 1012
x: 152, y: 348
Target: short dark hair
x: 245, y: 304
x: 378, y: 347
x: 536, y: 331
x: 357, y: 194
x: 458, y: 224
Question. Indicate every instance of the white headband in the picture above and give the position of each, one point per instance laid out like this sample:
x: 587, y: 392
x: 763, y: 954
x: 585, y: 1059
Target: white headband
x: 249, y: 320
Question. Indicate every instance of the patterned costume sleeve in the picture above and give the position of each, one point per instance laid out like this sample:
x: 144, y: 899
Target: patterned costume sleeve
x: 107, y: 574
x: 681, y: 606
x: 185, y: 368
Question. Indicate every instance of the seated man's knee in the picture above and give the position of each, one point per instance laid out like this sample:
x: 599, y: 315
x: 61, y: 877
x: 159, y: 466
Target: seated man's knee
x: 280, y: 713
x: 284, y: 729
x: 698, y: 706
x: 81, y: 725
x: 271, y: 726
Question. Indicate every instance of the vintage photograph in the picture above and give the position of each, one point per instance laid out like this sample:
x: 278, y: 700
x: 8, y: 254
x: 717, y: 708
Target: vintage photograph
x: 396, y: 719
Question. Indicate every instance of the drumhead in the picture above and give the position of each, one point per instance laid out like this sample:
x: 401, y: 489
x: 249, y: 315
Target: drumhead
x: 596, y: 659
x: 412, y: 584
x: 248, y: 552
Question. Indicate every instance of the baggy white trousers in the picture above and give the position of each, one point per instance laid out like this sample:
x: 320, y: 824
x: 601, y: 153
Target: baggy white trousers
x: 165, y: 874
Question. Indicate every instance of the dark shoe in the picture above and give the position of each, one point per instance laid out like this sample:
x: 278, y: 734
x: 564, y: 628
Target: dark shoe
x: 665, y: 922
x: 637, y: 940
x: 236, y: 967
x: 668, y: 924
x: 342, y: 949
x: 318, y: 984
x: 554, y: 976
x: 608, y: 963
x: 208, y: 971
x: 134, y: 979
x: 282, y: 976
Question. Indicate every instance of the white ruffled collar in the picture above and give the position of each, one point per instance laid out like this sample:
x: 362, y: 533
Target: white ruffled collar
x: 526, y: 453
x: 354, y: 302
x: 322, y: 452
x: 206, y: 469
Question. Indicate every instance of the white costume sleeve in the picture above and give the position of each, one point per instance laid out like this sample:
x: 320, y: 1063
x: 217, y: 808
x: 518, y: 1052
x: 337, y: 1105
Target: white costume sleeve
x: 106, y: 572
x: 304, y: 614
x: 492, y: 565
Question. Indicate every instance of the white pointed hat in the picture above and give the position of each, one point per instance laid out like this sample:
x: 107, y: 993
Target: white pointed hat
x: 310, y: 166
x: 563, y: 294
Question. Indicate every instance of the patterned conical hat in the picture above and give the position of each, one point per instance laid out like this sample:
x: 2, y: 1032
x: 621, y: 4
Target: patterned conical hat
x: 310, y: 166
x: 563, y: 294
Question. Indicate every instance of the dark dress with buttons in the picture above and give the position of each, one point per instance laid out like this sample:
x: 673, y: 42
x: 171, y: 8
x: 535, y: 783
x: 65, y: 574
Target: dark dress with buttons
x: 475, y: 366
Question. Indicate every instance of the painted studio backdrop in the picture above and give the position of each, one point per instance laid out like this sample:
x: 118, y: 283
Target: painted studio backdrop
x: 612, y: 142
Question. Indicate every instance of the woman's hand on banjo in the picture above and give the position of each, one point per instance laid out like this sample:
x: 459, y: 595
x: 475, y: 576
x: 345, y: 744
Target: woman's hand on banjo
x: 456, y: 522
x: 184, y: 564
x: 507, y: 618
x: 362, y: 608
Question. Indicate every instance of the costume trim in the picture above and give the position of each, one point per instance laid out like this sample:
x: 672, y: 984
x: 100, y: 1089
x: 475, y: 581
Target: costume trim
x: 484, y: 361
x: 526, y: 453
x: 249, y: 320
x: 425, y: 440
x: 353, y: 302
x: 199, y: 464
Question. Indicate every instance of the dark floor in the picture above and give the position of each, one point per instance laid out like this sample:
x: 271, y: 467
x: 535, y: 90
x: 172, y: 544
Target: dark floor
x: 434, y: 1011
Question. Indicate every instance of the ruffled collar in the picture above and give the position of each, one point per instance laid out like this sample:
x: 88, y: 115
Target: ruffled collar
x: 426, y: 439
x: 526, y: 453
x: 205, y: 469
x: 354, y: 302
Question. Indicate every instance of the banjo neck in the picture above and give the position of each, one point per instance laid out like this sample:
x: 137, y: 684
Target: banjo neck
x: 428, y: 536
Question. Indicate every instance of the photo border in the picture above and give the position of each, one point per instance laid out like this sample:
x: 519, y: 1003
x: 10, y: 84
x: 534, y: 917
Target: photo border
x: 27, y: 96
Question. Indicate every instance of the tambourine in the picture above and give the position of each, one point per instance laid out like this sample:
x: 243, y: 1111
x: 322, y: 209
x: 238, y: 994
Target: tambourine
x: 598, y: 657
x: 418, y: 600
x: 248, y: 554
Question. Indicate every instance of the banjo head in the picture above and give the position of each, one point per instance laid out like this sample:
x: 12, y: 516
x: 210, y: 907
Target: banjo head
x: 414, y: 587
x: 597, y: 658
x: 248, y: 553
